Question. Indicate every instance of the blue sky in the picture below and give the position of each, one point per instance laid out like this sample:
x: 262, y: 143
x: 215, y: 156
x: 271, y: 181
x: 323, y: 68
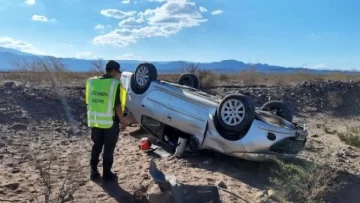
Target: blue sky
x: 311, y: 33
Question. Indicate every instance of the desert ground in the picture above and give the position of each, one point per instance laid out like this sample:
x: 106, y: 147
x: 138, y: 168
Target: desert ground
x: 45, y: 147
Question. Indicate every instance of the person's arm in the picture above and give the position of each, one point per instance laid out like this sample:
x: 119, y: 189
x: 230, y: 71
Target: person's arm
x: 118, y: 109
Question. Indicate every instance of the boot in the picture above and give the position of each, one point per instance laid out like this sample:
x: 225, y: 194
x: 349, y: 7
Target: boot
x: 95, y: 175
x: 109, y: 176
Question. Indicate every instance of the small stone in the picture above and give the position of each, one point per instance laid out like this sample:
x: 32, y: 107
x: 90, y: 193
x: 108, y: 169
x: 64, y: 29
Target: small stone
x: 19, y: 126
x: 12, y: 186
x: 15, y: 170
x: 221, y: 184
x: 270, y: 193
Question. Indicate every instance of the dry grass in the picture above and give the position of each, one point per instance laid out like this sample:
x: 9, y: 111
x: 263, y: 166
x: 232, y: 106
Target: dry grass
x: 51, y: 71
x: 250, y: 76
x: 302, y: 183
x: 44, y: 72
x: 351, y: 136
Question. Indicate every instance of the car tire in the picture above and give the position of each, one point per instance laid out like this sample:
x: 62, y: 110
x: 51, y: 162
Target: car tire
x: 189, y: 79
x: 144, y: 74
x: 244, y: 116
x: 280, y: 108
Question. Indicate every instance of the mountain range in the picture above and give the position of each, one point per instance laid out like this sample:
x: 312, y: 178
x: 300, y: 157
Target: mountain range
x: 8, y: 56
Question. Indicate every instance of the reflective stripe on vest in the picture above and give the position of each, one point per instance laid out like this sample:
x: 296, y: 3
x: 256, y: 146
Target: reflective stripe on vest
x: 122, y: 98
x: 101, y: 99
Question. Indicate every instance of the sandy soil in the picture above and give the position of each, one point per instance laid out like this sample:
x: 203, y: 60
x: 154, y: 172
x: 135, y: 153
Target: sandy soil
x: 36, y: 124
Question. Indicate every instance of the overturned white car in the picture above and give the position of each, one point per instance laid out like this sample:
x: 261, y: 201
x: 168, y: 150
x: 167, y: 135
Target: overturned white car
x: 186, y: 118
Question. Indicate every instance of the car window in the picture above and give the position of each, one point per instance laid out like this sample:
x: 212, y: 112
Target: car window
x: 152, y: 125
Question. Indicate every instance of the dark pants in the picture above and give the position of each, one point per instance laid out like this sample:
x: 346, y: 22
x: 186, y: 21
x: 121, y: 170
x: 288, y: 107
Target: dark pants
x: 107, y: 138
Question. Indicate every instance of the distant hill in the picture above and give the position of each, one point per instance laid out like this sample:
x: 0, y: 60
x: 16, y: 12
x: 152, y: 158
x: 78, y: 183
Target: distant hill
x: 7, y: 56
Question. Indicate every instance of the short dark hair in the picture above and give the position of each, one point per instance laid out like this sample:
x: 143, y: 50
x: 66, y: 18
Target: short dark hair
x: 112, y: 65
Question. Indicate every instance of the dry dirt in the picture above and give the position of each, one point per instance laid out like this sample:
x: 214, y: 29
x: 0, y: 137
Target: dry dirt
x: 35, y: 122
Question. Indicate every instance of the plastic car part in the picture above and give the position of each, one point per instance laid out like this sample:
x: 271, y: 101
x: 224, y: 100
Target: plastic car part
x: 189, y: 79
x: 280, y: 108
x: 144, y: 74
x: 235, y: 113
x: 181, y: 146
x: 271, y: 136
x: 289, y: 146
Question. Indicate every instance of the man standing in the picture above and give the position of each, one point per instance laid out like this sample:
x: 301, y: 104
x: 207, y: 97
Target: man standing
x: 104, y: 114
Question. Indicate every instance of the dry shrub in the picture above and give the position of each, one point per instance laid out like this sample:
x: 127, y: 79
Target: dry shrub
x: 224, y: 77
x: 59, y: 183
x: 351, y: 136
x: 170, y: 77
x: 98, y: 66
x: 302, y: 183
x: 207, y: 78
x: 248, y: 76
x: 41, y: 71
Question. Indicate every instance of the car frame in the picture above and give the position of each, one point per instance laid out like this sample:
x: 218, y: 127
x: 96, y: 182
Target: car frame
x: 188, y: 119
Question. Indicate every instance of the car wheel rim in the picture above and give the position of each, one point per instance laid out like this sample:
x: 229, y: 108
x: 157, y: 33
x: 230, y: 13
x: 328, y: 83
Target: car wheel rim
x: 142, y: 76
x: 233, y: 112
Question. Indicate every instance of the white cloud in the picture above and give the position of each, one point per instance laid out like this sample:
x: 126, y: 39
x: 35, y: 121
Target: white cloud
x: 131, y: 22
x: 30, y: 2
x: 20, y: 45
x: 319, y: 66
x: 163, y: 21
x: 125, y: 1
x: 128, y: 56
x: 217, y: 12
x: 114, y: 13
x: 85, y: 55
x: 99, y: 27
x: 202, y: 9
x: 42, y: 18
x: 157, y: 0
x: 102, y: 28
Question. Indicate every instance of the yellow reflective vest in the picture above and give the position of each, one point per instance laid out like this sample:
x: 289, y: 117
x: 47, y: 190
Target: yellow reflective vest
x: 100, y: 99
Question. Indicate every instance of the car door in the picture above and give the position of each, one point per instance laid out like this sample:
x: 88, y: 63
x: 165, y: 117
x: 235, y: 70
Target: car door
x: 154, y: 104
x: 187, y: 116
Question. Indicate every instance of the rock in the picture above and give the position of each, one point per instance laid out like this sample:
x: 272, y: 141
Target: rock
x: 73, y: 131
x: 261, y: 194
x: 12, y: 186
x: 28, y: 95
x: 9, y: 84
x: 19, y: 126
x: 2, y: 144
x: 270, y: 193
x: 221, y: 184
x: 15, y: 170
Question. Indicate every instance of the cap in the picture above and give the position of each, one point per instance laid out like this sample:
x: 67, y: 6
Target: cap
x: 112, y: 65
